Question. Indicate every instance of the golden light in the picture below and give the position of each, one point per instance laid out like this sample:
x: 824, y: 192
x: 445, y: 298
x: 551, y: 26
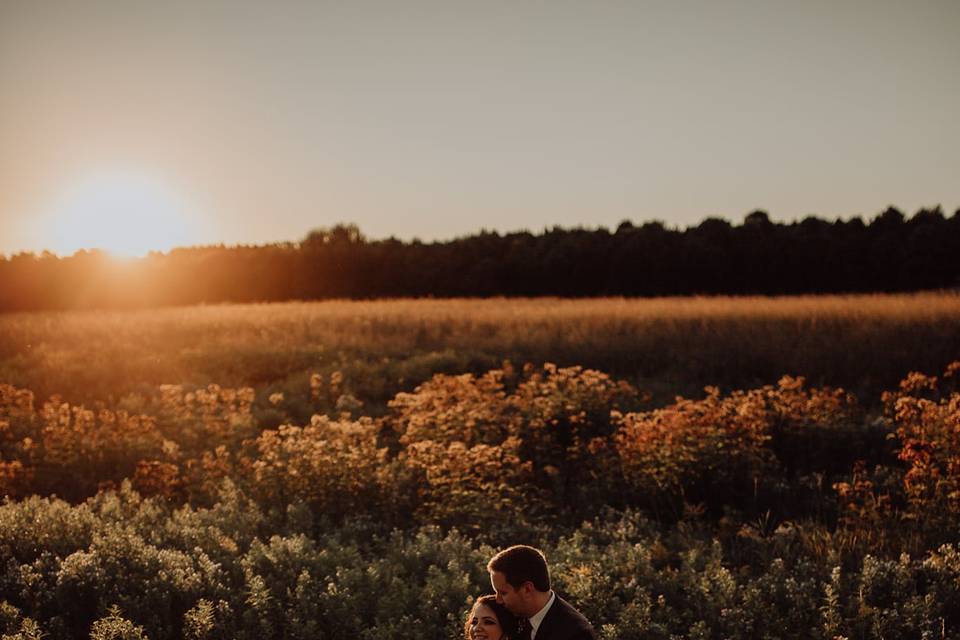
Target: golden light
x: 126, y: 214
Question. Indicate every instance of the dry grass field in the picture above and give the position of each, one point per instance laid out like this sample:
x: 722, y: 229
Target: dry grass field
x: 666, y: 345
x: 290, y: 483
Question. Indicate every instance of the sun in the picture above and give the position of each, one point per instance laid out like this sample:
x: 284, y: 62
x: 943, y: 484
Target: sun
x: 125, y: 213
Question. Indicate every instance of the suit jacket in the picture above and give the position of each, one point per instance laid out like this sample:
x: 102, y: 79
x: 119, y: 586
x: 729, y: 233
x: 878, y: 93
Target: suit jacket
x: 563, y: 622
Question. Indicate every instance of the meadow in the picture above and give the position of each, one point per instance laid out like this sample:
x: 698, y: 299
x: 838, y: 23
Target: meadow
x: 667, y: 346
x: 344, y: 469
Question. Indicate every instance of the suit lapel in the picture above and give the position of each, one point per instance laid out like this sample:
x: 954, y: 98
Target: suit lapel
x: 551, y: 627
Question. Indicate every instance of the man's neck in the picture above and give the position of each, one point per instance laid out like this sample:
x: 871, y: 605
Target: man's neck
x: 539, y: 601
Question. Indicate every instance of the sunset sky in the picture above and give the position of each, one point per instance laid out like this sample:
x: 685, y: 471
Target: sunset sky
x: 136, y: 125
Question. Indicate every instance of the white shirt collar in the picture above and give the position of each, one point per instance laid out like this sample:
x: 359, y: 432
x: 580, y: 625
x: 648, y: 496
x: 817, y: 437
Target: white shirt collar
x: 540, y: 615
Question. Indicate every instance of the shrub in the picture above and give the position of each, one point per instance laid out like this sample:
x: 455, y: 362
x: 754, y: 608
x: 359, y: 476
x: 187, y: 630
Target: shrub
x: 115, y: 627
x: 482, y: 489
x: 553, y: 424
x: 926, y: 412
x: 35, y: 525
x: 731, y: 450
x: 336, y: 468
x: 80, y: 449
x: 819, y: 430
x: 566, y: 428
x: 713, y: 450
x: 157, y: 586
x: 464, y: 408
x: 213, y: 413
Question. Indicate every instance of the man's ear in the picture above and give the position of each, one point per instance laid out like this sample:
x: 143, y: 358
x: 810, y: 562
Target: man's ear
x: 527, y: 588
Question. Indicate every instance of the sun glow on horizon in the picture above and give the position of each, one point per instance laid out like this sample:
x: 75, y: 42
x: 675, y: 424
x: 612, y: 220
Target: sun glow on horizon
x: 126, y: 214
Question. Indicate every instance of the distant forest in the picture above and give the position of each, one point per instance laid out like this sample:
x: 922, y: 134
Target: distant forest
x: 891, y: 252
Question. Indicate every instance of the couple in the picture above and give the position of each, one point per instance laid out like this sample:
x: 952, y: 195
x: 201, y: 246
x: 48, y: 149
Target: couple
x: 524, y: 607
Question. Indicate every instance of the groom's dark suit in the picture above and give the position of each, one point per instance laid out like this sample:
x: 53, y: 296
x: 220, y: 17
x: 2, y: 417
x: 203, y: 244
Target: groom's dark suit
x: 563, y: 622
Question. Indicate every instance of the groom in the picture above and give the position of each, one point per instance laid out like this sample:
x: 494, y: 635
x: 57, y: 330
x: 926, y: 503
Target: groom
x: 521, y: 580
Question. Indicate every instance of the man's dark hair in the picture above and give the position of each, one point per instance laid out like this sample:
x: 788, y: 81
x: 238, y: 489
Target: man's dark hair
x: 520, y: 564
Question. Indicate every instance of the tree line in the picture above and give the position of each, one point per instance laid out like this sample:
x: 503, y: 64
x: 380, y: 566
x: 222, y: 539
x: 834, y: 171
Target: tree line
x: 891, y: 252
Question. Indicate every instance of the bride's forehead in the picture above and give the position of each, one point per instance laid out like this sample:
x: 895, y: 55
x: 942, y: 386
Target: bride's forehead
x: 484, y: 611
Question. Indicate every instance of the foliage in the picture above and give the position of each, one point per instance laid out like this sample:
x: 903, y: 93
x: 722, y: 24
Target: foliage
x: 480, y: 488
x: 543, y: 432
x: 633, y: 577
x: 115, y: 627
x: 335, y: 468
x: 692, y: 450
x: 181, y: 515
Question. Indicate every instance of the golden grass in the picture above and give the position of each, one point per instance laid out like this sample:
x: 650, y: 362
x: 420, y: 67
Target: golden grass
x: 863, y: 341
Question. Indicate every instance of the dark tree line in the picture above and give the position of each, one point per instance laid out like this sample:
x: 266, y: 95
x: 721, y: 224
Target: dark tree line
x: 889, y: 253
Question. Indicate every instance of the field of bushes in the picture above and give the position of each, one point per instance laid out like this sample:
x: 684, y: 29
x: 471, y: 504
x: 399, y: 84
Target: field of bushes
x: 354, y: 484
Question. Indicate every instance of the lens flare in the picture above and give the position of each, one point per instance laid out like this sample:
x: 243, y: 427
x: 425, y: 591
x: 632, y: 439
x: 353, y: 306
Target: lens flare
x: 126, y: 214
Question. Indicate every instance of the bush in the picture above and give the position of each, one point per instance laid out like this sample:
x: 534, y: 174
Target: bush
x: 336, y: 468
x: 713, y: 450
x: 370, y: 529
x: 926, y: 412
x: 551, y: 427
x: 483, y: 489
x: 115, y: 627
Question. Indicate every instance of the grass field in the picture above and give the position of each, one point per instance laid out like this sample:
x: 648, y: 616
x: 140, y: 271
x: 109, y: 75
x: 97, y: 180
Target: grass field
x: 666, y: 346
x: 308, y: 507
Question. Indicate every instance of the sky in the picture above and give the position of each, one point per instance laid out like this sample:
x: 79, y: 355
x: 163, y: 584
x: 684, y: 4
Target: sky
x: 134, y: 125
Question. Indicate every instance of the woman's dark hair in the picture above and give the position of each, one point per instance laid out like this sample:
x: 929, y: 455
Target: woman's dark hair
x: 508, y: 621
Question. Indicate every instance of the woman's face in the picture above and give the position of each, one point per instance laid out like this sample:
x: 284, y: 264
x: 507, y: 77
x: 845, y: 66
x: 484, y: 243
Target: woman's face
x: 483, y: 624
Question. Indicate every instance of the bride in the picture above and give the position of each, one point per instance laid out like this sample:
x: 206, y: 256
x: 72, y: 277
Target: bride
x: 489, y: 620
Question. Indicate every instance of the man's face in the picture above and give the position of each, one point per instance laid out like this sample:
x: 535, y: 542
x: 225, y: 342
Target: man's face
x: 510, y: 597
